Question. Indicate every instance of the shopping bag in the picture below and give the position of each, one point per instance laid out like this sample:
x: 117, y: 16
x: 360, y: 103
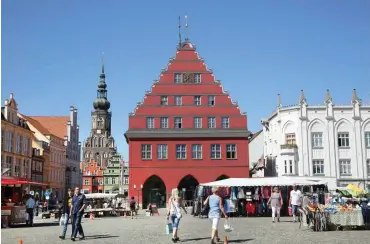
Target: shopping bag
x: 169, y: 228
x: 290, y: 212
x: 227, y: 226
x: 26, y: 216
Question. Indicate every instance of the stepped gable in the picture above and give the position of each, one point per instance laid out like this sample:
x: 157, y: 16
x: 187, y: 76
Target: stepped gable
x: 187, y: 62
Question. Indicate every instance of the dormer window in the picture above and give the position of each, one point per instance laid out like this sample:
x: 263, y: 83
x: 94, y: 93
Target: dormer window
x: 178, y: 78
x: 197, y: 77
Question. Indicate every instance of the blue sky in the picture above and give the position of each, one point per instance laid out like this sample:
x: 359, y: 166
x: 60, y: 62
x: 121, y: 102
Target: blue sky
x: 257, y: 49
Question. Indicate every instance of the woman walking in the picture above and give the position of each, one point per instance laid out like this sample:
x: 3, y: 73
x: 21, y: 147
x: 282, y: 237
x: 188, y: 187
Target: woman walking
x: 215, y: 209
x: 174, y: 212
x: 276, y: 202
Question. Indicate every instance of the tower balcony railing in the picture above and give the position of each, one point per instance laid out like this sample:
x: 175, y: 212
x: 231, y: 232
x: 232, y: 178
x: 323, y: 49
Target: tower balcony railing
x: 288, y: 149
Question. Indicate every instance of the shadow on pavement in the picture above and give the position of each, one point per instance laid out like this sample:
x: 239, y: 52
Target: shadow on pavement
x: 195, y: 239
x: 100, y: 237
x: 240, y: 241
x: 34, y: 225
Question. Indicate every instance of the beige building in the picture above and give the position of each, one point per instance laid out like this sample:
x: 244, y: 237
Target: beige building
x: 50, y: 140
x: 16, y: 145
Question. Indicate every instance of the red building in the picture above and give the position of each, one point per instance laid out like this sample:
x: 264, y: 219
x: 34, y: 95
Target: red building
x: 92, y: 177
x: 186, y: 131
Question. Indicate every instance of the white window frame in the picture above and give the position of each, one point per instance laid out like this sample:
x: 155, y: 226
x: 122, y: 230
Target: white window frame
x: 178, y: 100
x: 197, y: 151
x: 197, y: 78
x: 162, y: 151
x: 178, y: 123
x: 197, y: 100
x: 211, y: 100
x: 146, y: 151
x: 290, y: 138
x: 150, y: 122
x: 343, y: 140
x: 317, y: 140
x: 164, y: 122
x: 181, y: 151
x: 164, y: 100
x: 178, y: 78
x: 86, y: 182
x: 225, y: 122
x: 197, y: 122
x: 215, y: 151
x: 231, y: 152
x: 345, y: 167
x: 211, y: 122
x: 367, y: 139
x: 125, y: 180
x: 289, y: 167
x: 318, y: 167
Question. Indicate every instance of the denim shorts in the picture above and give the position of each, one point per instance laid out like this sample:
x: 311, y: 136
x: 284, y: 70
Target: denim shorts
x: 175, y: 221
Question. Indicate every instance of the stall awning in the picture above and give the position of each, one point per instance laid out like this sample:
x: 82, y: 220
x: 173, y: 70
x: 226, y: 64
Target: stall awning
x: 103, y: 195
x: 19, y: 181
x: 267, y: 181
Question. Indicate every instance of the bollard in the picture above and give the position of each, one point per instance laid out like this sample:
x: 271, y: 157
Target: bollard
x: 21, y: 241
x: 225, y: 240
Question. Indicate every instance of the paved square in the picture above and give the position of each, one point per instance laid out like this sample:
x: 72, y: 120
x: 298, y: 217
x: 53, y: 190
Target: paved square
x: 192, y: 230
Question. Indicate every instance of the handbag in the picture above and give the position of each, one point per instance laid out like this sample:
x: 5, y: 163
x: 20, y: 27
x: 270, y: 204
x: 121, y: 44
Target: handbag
x: 227, y: 226
x: 178, y: 214
x: 169, y: 228
x: 26, y: 216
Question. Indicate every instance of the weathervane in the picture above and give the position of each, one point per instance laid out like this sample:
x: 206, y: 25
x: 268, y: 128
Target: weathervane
x: 102, y: 62
x: 180, y: 32
x: 186, y: 27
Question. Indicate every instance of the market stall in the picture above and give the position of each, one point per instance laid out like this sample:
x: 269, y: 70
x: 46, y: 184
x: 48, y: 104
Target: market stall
x: 106, y: 204
x: 249, y: 196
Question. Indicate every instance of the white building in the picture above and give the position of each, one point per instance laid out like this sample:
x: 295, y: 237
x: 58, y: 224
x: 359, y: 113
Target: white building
x: 73, y: 151
x: 256, y: 153
x: 328, y: 141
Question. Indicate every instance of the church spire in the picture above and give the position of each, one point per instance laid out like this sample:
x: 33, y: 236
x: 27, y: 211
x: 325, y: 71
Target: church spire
x: 101, y: 102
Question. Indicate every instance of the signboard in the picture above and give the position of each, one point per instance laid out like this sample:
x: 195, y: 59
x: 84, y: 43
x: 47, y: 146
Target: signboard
x: 154, y: 208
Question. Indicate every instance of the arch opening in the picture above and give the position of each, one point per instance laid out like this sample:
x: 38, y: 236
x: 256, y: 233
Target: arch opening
x: 222, y: 177
x: 154, y: 191
x: 187, y: 187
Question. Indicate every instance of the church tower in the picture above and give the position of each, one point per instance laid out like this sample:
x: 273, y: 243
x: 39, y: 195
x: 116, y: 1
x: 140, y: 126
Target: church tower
x: 100, y: 145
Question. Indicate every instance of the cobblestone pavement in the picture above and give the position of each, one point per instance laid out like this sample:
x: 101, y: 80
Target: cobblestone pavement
x: 192, y: 230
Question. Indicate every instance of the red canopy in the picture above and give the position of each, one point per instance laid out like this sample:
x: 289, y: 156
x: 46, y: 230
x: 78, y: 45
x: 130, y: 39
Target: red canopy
x: 5, y: 180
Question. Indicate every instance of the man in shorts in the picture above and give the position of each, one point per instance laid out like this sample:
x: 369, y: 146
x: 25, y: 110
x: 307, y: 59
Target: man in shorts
x: 133, y: 207
x: 295, y: 201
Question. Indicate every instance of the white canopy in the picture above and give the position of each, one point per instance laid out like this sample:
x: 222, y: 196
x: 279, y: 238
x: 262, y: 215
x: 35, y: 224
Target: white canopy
x: 102, y: 195
x: 267, y: 181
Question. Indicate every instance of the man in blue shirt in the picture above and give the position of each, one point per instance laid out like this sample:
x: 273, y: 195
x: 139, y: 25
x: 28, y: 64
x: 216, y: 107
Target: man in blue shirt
x: 78, y: 206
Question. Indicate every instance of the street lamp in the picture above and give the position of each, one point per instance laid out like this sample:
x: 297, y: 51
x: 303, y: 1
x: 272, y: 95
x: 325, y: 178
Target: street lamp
x: 138, y: 193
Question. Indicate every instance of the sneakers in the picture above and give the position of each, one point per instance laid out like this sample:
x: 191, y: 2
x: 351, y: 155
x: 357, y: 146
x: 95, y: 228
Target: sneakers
x: 62, y: 237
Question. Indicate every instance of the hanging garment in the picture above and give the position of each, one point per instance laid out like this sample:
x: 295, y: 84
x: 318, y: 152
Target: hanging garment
x: 233, y: 193
x: 232, y: 206
x: 266, y: 192
x: 251, y: 208
x: 200, y: 191
x: 241, y: 194
x: 227, y: 206
x: 256, y: 196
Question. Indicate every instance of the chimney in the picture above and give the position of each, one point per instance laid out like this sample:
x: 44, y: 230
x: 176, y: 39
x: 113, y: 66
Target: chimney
x: 74, y: 121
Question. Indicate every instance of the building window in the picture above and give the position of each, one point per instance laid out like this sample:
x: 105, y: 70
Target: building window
x: 164, y: 100
x: 181, y: 151
x: 162, y: 152
x: 230, y: 151
x: 288, y: 165
x: 367, y: 139
x: 164, y: 122
x: 343, y: 139
x: 215, y: 151
x: 178, y: 100
x: 225, y: 122
x: 178, y: 122
x: 211, y: 100
x: 318, y: 167
x: 18, y: 145
x: 197, y: 77
x: 146, y: 151
x: 177, y: 78
x: 197, y: 122
x: 106, y: 181
x: 150, y: 122
x: 125, y: 180
x: 197, y: 100
x: 317, y: 141
x: 86, y: 182
x: 196, y: 151
x: 211, y: 122
x: 113, y: 180
x: 368, y: 167
x: 26, y: 146
x: 9, y: 141
x: 2, y: 138
x: 290, y: 138
x: 345, y: 167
